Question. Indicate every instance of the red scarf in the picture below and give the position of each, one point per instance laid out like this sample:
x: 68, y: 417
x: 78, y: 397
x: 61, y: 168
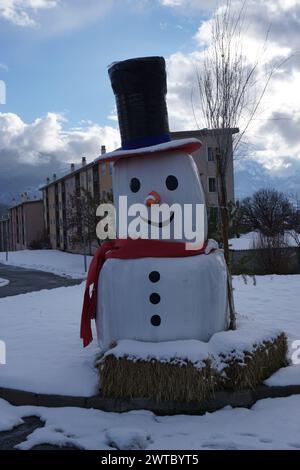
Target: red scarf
x: 124, y: 249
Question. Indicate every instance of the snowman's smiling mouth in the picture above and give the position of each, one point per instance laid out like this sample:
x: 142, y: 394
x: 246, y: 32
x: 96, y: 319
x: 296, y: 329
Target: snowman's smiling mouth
x: 161, y: 224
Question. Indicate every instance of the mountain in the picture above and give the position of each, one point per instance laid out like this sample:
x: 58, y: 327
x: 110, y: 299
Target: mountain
x: 3, y: 210
x: 250, y: 176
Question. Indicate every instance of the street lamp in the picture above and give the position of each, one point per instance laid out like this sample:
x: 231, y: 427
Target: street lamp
x: 6, y: 241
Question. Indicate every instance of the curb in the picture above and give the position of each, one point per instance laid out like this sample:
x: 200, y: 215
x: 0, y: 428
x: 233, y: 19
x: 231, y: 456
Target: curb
x: 244, y: 399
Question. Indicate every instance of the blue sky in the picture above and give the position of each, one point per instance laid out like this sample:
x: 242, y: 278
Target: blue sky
x: 54, y: 56
x: 66, y: 71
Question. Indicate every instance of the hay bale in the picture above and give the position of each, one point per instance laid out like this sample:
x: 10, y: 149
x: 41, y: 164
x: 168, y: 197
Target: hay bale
x: 256, y: 366
x: 184, y: 381
x: 159, y: 381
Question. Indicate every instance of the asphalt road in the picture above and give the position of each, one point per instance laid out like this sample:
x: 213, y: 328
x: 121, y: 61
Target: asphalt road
x: 23, y: 280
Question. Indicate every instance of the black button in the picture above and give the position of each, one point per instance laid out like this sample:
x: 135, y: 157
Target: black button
x: 154, y: 298
x: 154, y: 276
x: 172, y: 182
x: 135, y: 185
x: 155, y: 320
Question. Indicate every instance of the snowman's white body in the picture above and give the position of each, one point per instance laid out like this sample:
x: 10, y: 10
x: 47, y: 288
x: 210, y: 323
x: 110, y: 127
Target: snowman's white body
x: 161, y: 299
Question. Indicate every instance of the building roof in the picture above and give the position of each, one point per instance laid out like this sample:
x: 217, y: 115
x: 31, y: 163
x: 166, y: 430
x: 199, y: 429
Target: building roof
x: 195, y: 133
x: 22, y: 203
x: 67, y: 175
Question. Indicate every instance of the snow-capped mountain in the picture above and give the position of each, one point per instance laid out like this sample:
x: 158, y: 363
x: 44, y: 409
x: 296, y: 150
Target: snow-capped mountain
x: 250, y: 176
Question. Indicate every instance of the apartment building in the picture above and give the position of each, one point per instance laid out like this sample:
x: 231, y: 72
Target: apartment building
x: 26, y: 223
x: 205, y: 159
x: 61, y: 195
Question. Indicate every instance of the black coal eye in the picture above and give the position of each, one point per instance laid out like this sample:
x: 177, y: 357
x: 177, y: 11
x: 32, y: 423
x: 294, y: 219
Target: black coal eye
x: 135, y: 185
x: 172, y: 182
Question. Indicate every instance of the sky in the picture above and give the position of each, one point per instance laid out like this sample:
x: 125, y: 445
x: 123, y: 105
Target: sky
x: 59, y: 104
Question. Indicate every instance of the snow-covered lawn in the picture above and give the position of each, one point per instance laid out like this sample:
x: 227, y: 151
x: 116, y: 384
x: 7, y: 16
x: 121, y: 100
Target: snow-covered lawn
x: 45, y: 354
x: 269, y: 424
x: 52, y: 261
x: 275, y: 301
x: 3, y: 282
x: 247, y: 241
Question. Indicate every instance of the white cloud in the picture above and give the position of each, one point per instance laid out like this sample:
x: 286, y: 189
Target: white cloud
x: 274, y: 134
x: 46, y: 136
x: 172, y: 3
x: 190, y: 4
x: 21, y: 12
x: 33, y: 151
x: 3, y: 67
x: 181, y: 70
x: 51, y: 17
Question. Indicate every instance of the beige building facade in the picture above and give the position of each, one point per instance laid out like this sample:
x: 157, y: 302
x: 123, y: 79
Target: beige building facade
x: 26, y: 223
x: 205, y: 159
x: 63, y: 195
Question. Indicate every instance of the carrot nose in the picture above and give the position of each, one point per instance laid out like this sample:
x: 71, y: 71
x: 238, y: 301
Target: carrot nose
x: 152, y: 198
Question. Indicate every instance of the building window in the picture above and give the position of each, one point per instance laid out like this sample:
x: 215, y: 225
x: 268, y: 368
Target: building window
x: 110, y: 167
x: 210, y: 154
x: 212, y: 185
x: 103, y: 169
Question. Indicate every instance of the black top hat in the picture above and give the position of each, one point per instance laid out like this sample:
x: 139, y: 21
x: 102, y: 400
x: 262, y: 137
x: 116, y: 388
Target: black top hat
x: 140, y: 88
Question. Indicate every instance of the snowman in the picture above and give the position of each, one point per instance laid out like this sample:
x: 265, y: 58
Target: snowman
x: 149, y: 287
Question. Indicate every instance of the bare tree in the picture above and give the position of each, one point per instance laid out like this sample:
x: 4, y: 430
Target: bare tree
x: 229, y: 100
x: 268, y: 211
x: 294, y: 224
x: 81, y: 220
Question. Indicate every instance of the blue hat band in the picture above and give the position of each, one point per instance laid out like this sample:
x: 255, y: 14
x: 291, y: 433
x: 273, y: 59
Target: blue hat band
x: 145, y: 142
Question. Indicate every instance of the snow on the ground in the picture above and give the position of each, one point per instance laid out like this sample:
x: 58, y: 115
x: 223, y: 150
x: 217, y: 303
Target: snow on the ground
x: 3, y: 282
x: 52, y: 261
x: 269, y: 424
x: 273, y: 301
x: 286, y: 376
x: 247, y: 241
x: 9, y: 416
x: 44, y: 353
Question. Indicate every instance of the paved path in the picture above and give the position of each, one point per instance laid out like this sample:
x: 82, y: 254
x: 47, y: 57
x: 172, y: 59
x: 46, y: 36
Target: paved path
x: 9, y: 439
x: 23, y: 280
